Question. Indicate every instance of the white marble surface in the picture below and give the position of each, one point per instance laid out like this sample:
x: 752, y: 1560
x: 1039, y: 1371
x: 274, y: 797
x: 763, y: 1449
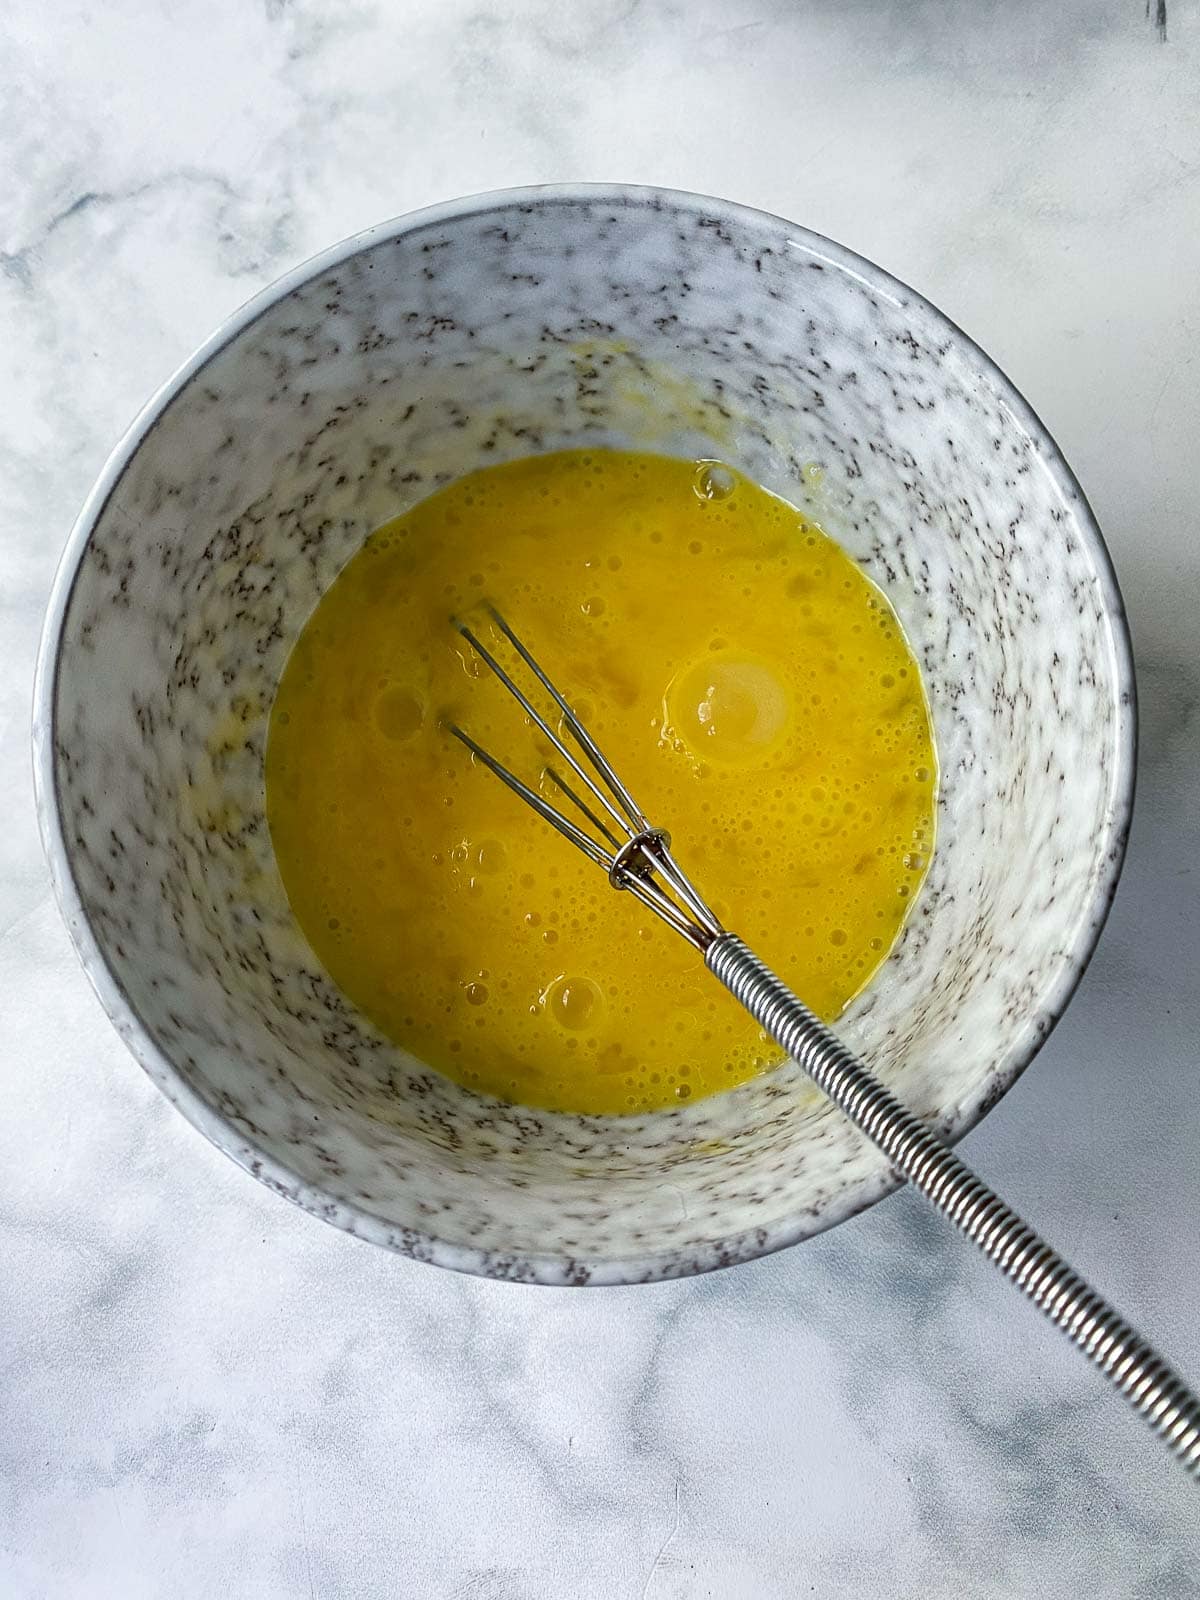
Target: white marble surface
x: 205, y: 1393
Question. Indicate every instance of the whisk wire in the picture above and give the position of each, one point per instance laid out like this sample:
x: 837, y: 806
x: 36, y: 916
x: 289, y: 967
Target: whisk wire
x: 630, y: 807
x: 688, y: 893
x: 532, y: 712
x: 542, y: 806
x: 645, y: 851
x: 561, y: 783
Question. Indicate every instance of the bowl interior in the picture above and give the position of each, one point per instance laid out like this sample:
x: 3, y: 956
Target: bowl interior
x: 472, y: 335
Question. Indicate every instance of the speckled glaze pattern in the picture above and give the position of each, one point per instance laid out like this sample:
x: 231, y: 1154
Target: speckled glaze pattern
x: 475, y: 333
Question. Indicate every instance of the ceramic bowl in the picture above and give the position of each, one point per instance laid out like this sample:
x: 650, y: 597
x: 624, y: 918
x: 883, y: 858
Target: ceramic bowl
x: 470, y: 334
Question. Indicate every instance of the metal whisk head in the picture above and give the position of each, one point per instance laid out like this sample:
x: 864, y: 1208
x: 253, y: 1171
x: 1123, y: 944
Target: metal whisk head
x: 617, y: 835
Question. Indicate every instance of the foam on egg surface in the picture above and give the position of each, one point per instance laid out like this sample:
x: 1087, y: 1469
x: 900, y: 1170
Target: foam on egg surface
x: 753, y: 689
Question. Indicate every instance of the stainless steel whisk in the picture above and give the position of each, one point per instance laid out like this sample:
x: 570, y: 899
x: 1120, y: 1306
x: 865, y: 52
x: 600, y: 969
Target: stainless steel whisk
x: 638, y: 857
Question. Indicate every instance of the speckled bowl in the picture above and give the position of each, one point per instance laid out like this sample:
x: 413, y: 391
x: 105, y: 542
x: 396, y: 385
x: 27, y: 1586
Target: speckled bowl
x: 472, y: 333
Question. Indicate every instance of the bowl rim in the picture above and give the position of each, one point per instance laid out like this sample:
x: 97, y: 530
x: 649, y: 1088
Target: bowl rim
x: 852, y: 1195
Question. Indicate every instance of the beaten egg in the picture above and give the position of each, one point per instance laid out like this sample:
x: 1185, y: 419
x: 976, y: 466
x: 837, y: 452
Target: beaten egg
x: 748, y: 682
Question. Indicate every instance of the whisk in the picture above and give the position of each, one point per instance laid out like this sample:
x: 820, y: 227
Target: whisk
x: 613, y: 831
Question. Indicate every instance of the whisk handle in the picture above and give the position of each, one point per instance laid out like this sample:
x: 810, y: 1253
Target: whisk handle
x: 1152, y: 1388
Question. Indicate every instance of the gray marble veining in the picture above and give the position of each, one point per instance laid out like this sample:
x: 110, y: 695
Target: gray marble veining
x: 205, y: 1391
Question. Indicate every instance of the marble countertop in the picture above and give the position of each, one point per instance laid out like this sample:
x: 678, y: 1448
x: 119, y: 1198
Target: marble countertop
x: 204, y: 1393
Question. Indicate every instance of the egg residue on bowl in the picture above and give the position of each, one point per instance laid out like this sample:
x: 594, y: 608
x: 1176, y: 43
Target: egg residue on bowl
x: 751, y: 686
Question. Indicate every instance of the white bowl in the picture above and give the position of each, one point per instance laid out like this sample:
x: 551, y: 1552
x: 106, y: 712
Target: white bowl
x: 473, y: 333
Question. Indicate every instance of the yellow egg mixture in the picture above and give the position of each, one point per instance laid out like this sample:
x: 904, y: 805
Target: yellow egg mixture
x: 753, y: 690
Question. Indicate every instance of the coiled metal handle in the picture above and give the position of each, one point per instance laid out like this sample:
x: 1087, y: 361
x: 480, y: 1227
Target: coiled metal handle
x: 1137, y: 1370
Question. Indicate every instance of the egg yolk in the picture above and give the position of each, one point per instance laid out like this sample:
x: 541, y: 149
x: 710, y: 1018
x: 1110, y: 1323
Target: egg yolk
x: 752, y: 688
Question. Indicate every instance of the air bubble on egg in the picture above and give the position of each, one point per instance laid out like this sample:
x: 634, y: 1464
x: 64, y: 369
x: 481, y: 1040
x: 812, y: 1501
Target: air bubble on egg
x: 713, y: 480
x: 490, y: 856
x: 573, y: 1002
